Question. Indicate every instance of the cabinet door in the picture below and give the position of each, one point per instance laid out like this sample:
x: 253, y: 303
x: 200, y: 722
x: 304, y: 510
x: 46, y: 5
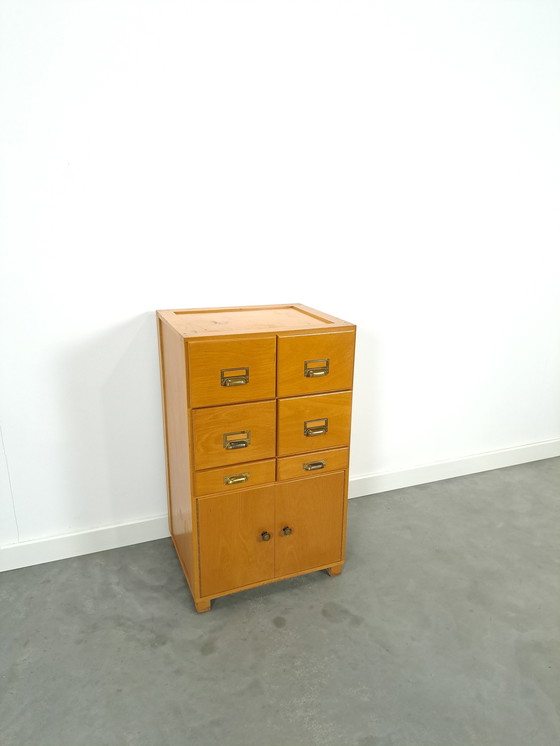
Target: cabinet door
x: 309, y: 521
x: 233, y: 530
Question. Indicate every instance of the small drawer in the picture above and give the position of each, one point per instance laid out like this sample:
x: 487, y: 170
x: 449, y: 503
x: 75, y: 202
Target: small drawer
x: 318, y: 462
x: 311, y: 363
x: 228, y: 479
x: 225, y: 371
x: 234, y: 434
x: 310, y: 423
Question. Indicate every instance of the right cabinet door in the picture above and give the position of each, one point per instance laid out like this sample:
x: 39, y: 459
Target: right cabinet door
x: 309, y: 523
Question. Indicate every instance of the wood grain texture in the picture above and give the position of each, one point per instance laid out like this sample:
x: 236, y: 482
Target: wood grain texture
x: 232, y: 550
x: 292, y: 467
x: 212, y: 480
x: 174, y: 392
x: 294, y: 351
x: 293, y: 413
x: 272, y: 580
x: 216, y: 528
x: 210, y: 322
x: 336, y: 570
x: 313, y: 509
x: 210, y: 425
x: 209, y: 357
x: 203, y: 605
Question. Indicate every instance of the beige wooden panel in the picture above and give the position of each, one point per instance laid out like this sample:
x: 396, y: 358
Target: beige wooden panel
x: 176, y: 430
x: 211, y: 322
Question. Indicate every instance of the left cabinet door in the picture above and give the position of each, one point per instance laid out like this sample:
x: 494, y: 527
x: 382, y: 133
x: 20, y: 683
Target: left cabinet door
x: 236, y: 539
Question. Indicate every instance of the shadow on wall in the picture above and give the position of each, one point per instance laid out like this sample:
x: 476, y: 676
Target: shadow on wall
x: 366, y: 421
x: 111, y: 408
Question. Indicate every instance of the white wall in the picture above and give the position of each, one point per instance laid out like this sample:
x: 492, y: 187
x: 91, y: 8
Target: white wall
x: 392, y: 162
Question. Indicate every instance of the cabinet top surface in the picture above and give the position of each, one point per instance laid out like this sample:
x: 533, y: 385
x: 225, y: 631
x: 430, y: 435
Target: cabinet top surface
x: 206, y: 322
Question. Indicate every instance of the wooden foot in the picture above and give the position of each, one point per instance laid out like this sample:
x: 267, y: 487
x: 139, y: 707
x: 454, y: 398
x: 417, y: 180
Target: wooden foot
x: 201, y: 606
x: 335, y: 570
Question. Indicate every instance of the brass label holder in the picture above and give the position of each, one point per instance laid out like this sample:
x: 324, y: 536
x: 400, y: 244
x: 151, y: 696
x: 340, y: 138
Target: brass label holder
x: 312, y: 370
x: 234, y: 376
x: 232, y: 441
x: 316, y: 427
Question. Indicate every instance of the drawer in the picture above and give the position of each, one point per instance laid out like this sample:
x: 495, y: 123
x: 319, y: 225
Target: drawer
x: 310, y: 363
x: 234, y: 434
x: 225, y: 371
x: 310, y: 423
x: 317, y: 462
x: 228, y: 479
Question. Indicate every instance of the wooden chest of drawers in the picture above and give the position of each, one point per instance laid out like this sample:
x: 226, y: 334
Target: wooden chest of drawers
x: 257, y: 406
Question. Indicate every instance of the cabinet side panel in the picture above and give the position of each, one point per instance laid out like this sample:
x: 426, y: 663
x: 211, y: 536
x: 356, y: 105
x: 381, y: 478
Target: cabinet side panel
x: 173, y: 371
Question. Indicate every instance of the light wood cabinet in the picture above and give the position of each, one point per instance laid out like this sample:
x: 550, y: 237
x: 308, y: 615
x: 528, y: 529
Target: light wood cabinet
x: 257, y: 409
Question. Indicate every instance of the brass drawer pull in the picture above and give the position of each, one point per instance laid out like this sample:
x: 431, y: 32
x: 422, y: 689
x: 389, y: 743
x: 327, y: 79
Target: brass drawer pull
x: 317, y: 370
x: 286, y: 531
x: 234, y: 376
x: 320, y: 428
x: 237, y: 478
x: 314, y: 465
x: 232, y: 444
x: 265, y: 536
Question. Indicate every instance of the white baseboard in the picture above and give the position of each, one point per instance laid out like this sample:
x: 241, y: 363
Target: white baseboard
x: 26, y: 553
x: 370, y: 484
x: 36, y: 552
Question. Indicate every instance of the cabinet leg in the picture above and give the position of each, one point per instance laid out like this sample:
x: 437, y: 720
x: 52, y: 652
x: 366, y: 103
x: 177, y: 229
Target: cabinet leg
x: 201, y: 606
x: 335, y: 570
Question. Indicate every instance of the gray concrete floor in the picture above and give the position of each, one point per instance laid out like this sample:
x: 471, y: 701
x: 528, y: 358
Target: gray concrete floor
x: 444, y: 629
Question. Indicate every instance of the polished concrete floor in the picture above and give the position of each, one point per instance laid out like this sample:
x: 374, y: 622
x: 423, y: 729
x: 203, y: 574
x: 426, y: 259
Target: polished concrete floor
x: 443, y: 630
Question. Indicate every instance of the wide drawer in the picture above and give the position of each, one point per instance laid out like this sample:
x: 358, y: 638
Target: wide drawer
x: 225, y: 371
x: 234, y: 434
x: 309, y: 423
x: 311, y: 363
x: 228, y: 479
x: 317, y: 462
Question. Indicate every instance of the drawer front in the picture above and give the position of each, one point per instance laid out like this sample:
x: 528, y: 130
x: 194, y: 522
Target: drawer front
x: 226, y: 371
x: 228, y: 479
x: 236, y: 539
x: 309, y: 523
x: 317, y: 462
x: 234, y: 434
x: 310, y: 423
x: 310, y: 363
